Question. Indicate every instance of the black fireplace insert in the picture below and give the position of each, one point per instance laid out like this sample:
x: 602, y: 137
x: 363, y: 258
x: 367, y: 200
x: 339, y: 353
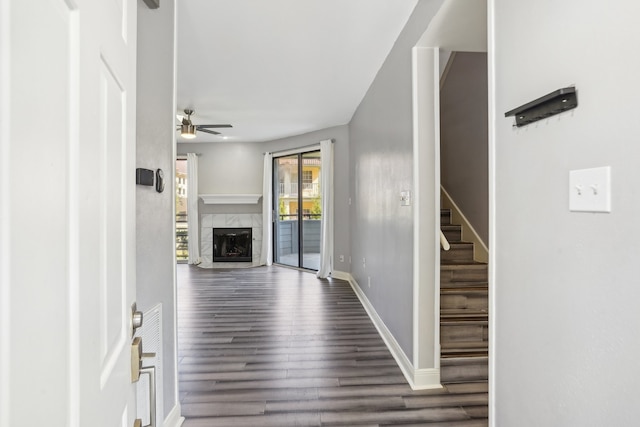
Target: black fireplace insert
x: 232, y: 245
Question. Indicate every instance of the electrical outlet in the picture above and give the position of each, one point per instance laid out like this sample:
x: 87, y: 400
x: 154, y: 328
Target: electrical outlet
x: 368, y: 281
x: 341, y: 258
x: 364, y: 263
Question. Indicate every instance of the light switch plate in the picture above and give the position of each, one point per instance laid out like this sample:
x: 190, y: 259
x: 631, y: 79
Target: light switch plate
x: 590, y: 190
x: 405, y: 198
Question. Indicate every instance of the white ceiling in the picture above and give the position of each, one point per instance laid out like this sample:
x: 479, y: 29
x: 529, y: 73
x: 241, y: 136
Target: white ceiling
x: 277, y: 68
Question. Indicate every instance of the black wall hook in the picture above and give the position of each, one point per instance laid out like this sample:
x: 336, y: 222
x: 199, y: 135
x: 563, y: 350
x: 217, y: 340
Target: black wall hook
x: 551, y: 104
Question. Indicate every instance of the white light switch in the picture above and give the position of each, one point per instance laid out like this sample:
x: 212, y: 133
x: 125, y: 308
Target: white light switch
x: 405, y: 198
x: 590, y: 190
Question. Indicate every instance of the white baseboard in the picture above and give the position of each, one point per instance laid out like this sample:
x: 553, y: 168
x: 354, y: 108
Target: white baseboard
x: 342, y: 275
x: 174, y: 419
x: 418, y: 379
x: 424, y: 379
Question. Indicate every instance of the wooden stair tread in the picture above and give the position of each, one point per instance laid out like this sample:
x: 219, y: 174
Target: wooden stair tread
x: 464, y: 361
x: 453, y: 233
x: 464, y: 345
x: 464, y: 322
x: 461, y: 265
x: 469, y: 353
x: 464, y: 314
x: 460, y: 244
x: 467, y: 288
x: 472, y: 346
x: 473, y: 292
x: 450, y: 227
x: 466, y: 284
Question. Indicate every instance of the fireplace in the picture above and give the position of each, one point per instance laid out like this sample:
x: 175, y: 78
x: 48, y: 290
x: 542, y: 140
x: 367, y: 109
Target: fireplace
x: 232, y: 245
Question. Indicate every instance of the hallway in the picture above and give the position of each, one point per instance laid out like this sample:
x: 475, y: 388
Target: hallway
x: 272, y: 346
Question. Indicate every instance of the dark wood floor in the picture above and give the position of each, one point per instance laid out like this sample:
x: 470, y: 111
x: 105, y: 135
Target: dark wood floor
x: 272, y: 346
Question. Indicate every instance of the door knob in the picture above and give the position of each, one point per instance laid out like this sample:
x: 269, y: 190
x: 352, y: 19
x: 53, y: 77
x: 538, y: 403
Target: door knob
x: 136, y: 317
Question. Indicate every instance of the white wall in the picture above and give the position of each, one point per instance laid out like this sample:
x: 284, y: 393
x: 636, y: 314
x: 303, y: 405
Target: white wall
x: 155, y: 149
x: 566, y: 291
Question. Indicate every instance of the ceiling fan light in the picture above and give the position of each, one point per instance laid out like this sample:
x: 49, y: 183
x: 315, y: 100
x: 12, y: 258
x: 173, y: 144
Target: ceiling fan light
x: 188, y: 131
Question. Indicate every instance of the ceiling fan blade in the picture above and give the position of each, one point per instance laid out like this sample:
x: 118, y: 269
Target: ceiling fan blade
x: 213, y: 132
x: 213, y: 126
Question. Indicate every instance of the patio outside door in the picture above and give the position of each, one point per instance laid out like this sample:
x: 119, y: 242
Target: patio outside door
x: 297, y: 210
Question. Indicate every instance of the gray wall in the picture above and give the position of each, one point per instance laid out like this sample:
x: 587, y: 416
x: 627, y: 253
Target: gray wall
x: 227, y: 167
x: 464, y: 138
x: 381, y: 156
x: 155, y: 222
x: 236, y: 168
x: 566, y: 284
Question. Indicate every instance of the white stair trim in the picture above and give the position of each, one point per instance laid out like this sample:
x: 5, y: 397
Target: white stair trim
x: 469, y: 234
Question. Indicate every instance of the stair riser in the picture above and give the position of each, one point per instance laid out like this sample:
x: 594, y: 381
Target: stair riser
x: 450, y: 374
x: 457, y: 253
x: 453, y: 235
x: 450, y: 334
x: 461, y: 300
x: 464, y: 306
x: 445, y: 217
x: 476, y: 275
x: 446, y: 286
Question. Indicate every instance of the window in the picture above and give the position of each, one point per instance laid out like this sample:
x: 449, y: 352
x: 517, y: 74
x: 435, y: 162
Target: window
x: 307, y: 177
x: 182, y: 235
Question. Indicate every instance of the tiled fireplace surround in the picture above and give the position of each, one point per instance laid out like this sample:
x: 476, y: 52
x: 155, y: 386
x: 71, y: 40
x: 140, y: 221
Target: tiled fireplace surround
x: 240, y: 220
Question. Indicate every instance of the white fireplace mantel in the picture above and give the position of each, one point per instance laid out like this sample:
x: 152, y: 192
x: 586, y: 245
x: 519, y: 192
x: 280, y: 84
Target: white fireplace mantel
x: 230, y: 199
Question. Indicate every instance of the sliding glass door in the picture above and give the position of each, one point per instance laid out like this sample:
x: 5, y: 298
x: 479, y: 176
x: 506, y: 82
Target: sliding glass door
x: 297, y: 210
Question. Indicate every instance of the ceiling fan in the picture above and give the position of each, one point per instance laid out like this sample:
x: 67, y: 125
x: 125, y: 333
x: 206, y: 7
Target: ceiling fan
x: 188, y: 129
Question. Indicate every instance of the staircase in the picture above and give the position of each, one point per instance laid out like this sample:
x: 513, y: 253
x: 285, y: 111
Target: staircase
x: 464, y: 309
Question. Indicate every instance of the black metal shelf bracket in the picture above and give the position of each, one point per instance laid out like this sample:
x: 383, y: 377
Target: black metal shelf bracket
x: 551, y: 104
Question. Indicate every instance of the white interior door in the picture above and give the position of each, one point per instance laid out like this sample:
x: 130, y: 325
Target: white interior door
x: 106, y: 210
x: 67, y: 205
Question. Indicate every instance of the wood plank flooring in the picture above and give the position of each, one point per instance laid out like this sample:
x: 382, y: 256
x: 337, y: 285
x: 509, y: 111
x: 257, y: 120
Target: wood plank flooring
x: 272, y: 346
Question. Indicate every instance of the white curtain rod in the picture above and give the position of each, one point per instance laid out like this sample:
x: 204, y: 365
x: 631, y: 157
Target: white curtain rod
x: 297, y: 149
